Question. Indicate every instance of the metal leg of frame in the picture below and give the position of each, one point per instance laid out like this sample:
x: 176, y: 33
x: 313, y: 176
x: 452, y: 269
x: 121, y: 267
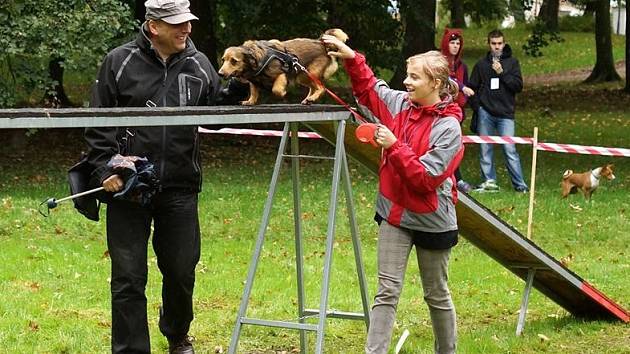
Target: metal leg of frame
x: 525, y: 301
x: 356, y: 242
x: 297, y: 220
x: 259, y: 242
x: 332, y: 213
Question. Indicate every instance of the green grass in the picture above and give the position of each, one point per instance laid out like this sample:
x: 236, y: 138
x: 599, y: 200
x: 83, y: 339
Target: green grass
x: 54, y: 271
x: 577, y: 51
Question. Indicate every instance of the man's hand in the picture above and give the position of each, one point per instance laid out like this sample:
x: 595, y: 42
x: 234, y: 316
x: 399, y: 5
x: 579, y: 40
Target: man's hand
x: 497, y: 67
x: 113, y: 183
x: 384, y: 137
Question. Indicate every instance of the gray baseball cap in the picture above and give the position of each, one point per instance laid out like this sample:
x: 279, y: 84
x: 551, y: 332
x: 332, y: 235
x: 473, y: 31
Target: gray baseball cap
x: 173, y: 12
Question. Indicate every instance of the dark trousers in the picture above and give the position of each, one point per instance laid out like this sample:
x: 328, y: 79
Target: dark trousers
x: 176, y: 242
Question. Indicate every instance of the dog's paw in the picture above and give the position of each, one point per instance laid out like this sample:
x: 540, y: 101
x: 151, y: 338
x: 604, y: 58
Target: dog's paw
x: 248, y: 103
x: 307, y: 102
x: 279, y: 93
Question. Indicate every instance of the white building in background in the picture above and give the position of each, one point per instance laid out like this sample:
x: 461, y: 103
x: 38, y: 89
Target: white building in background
x: 617, y: 14
x: 618, y: 17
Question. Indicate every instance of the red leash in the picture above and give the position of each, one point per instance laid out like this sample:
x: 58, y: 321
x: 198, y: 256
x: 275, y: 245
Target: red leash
x: 316, y: 80
x: 366, y: 131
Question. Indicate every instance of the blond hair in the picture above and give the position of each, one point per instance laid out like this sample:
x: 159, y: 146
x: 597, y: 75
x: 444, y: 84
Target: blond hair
x: 435, y: 66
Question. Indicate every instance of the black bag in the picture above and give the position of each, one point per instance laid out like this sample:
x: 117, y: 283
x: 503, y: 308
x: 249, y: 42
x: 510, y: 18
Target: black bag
x: 79, y: 177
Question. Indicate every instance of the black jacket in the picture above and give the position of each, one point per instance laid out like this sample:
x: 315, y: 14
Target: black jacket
x: 131, y: 75
x: 499, y: 102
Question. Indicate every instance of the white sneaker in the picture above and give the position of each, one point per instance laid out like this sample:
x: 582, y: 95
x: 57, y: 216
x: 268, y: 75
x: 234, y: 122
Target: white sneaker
x: 489, y: 185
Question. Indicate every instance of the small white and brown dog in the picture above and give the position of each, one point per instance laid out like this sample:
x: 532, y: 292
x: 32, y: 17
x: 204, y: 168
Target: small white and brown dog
x: 587, y: 182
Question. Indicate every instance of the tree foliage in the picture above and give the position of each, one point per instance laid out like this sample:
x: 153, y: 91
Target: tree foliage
x: 540, y: 38
x: 480, y: 10
x: 76, y: 33
x: 369, y: 23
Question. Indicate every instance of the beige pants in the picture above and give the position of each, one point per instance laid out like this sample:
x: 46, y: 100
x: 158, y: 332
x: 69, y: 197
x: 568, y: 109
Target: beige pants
x: 394, y: 246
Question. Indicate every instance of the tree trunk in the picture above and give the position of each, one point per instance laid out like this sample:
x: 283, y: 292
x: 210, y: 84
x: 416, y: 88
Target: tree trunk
x: 418, y: 19
x: 517, y: 10
x: 457, y: 14
x: 627, y: 88
x: 549, y: 14
x: 604, y: 69
x: 139, y: 10
x: 56, y: 97
x: 203, y: 34
x: 591, y: 7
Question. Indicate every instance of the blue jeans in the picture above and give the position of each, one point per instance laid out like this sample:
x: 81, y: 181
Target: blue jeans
x: 491, y: 125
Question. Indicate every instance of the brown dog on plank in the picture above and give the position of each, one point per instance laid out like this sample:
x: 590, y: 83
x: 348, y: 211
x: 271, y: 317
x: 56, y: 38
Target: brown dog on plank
x: 587, y: 182
x: 269, y: 65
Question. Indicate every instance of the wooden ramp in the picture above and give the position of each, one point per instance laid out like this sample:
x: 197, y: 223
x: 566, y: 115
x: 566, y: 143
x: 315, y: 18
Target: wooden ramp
x: 506, y: 245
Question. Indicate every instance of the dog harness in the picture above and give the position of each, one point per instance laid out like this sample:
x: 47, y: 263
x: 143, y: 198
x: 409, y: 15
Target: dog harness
x: 290, y: 63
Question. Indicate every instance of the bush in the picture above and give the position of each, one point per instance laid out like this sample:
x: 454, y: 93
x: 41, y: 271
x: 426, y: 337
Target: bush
x: 584, y: 23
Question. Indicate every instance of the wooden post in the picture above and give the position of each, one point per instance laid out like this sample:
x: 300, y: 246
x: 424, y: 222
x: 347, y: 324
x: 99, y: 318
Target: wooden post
x: 532, y: 186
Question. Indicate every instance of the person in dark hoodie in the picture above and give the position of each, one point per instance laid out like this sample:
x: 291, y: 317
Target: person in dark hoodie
x: 497, y: 79
x: 161, y: 67
x: 420, y: 134
x: 452, y: 48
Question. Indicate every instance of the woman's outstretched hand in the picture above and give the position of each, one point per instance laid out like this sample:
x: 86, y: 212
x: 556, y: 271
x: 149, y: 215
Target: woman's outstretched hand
x: 343, y: 51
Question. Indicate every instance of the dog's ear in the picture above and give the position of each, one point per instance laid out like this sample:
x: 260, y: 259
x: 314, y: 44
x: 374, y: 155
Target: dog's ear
x: 249, y: 58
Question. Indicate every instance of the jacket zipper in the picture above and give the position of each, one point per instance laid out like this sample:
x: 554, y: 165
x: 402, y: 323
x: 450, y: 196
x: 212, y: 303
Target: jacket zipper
x: 163, y: 154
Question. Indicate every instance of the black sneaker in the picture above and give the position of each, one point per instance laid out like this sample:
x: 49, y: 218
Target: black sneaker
x: 181, y: 345
x: 521, y: 190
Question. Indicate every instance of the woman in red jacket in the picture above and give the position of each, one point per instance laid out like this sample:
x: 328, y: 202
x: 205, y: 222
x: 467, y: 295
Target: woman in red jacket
x: 421, y: 138
x: 452, y: 48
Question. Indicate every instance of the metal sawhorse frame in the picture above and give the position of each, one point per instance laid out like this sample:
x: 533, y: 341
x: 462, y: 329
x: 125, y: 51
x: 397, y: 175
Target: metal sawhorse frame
x: 340, y: 169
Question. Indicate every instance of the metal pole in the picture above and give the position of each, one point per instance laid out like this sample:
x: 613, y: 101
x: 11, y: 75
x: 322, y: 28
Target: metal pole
x: 297, y: 220
x: 259, y: 242
x: 525, y: 301
x: 332, y: 211
x: 356, y: 241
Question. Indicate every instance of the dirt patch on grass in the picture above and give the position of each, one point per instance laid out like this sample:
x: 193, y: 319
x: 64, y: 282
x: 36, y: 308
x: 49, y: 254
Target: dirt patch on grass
x: 576, y: 75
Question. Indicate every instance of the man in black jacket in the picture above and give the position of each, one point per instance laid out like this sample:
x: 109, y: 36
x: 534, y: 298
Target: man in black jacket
x: 496, y: 79
x: 160, y: 68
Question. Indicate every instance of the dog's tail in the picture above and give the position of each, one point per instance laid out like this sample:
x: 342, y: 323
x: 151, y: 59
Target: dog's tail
x: 566, y: 174
x: 337, y: 32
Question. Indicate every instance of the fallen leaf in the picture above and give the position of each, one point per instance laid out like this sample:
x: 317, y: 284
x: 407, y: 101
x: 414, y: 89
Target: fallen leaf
x: 33, y: 326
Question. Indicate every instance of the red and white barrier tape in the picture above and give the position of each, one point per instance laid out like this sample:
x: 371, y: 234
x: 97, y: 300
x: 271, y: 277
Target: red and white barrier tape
x: 584, y: 150
x: 467, y: 139
x: 256, y: 132
x: 488, y: 139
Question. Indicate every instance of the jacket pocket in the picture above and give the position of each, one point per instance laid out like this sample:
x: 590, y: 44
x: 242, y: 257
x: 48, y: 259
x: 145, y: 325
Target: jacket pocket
x: 190, y: 88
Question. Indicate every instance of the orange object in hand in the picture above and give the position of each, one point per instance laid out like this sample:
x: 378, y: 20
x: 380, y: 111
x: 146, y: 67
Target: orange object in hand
x: 365, y: 133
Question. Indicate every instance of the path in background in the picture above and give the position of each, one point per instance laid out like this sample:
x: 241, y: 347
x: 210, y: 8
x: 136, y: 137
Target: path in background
x: 568, y: 76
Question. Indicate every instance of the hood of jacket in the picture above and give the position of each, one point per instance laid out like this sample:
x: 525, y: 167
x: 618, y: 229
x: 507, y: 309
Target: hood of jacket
x: 445, y: 108
x: 448, y: 33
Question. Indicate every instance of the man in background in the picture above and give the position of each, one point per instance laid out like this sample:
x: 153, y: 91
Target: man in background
x: 496, y: 79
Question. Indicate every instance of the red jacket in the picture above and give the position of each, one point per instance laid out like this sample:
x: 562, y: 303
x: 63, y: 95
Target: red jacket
x: 416, y: 186
x: 458, y: 70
